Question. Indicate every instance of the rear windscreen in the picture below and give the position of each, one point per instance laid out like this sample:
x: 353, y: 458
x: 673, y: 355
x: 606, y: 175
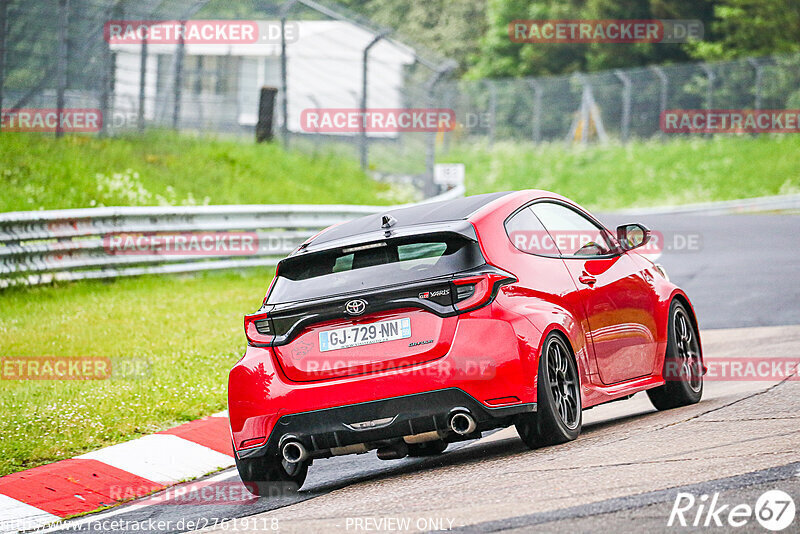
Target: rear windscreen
x: 373, y: 265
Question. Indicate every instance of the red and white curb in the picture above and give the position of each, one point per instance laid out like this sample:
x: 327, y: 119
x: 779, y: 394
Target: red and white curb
x: 37, y: 497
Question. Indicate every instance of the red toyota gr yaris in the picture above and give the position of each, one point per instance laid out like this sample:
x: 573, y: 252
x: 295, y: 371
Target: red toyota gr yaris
x: 407, y: 330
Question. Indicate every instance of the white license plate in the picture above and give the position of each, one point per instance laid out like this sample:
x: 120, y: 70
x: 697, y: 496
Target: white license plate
x: 365, y: 334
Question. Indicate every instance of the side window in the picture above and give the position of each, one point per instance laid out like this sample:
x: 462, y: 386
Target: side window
x: 528, y: 235
x: 574, y: 234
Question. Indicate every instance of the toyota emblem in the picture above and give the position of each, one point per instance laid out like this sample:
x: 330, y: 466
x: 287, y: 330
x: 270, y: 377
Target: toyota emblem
x: 355, y: 306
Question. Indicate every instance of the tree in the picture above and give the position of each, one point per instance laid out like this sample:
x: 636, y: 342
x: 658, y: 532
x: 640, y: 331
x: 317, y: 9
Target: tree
x: 601, y: 56
x: 449, y: 28
x: 500, y: 57
x: 751, y: 28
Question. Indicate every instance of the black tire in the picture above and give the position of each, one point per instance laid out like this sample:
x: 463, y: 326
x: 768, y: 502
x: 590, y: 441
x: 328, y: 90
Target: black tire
x: 683, y: 363
x: 428, y: 448
x: 271, y: 476
x: 558, y: 408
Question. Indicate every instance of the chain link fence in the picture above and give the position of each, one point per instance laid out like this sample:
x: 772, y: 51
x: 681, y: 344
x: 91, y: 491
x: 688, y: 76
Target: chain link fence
x: 61, y: 54
x: 620, y: 104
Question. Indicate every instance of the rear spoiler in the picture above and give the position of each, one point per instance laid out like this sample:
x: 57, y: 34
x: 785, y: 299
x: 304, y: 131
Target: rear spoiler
x: 461, y: 227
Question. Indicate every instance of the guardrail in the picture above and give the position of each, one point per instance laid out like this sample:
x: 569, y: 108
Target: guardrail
x: 39, y: 247
x: 775, y: 203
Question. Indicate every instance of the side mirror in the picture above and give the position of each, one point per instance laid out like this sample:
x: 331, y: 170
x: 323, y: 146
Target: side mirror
x: 631, y: 236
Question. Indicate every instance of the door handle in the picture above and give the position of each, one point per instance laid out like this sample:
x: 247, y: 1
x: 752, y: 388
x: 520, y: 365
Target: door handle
x: 587, y: 279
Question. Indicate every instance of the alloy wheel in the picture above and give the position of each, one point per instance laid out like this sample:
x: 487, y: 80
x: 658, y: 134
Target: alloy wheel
x: 563, y: 381
x: 691, y: 368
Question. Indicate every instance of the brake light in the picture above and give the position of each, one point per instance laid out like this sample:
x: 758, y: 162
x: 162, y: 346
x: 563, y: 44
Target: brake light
x: 258, y: 328
x: 473, y: 292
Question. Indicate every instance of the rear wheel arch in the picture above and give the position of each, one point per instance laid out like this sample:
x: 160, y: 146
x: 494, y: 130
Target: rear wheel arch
x: 564, y: 337
x: 583, y: 364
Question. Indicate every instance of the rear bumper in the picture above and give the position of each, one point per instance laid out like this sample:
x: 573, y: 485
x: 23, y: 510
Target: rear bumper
x: 382, y: 420
x: 491, y: 361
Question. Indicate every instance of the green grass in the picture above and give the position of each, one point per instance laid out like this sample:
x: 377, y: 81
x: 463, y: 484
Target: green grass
x: 41, y: 172
x: 649, y: 173
x: 185, y: 330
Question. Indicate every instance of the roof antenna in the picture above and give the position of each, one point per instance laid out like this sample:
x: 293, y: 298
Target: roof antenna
x: 387, y: 221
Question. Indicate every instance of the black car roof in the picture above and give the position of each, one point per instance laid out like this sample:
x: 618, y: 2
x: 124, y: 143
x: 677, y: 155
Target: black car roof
x: 420, y: 214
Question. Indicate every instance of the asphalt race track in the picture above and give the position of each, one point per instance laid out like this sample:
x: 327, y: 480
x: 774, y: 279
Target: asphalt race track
x: 624, y: 472
x: 742, y: 271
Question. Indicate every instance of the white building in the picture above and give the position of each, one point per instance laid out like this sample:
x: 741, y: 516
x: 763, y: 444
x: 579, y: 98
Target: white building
x: 221, y: 82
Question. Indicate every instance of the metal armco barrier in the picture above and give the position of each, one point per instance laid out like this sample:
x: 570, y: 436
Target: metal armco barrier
x: 39, y: 247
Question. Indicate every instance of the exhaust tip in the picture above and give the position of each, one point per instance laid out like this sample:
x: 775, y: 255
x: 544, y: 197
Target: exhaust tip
x: 463, y: 423
x: 294, y: 452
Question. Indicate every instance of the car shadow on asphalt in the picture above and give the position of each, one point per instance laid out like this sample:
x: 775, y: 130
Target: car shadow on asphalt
x: 468, y: 453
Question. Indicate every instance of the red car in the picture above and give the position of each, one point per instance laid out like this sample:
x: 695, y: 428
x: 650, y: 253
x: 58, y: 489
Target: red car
x: 407, y: 330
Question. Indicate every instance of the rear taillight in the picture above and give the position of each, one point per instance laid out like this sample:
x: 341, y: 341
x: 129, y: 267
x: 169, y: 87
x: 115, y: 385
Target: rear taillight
x: 475, y: 291
x: 258, y: 328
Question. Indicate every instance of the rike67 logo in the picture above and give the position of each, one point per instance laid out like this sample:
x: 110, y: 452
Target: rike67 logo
x: 774, y: 510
